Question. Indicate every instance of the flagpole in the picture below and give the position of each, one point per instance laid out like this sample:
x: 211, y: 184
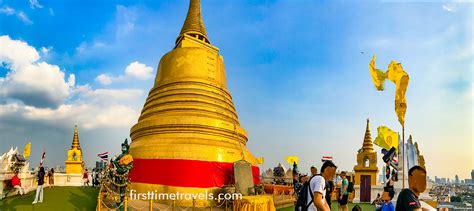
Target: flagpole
x: 403, y: 155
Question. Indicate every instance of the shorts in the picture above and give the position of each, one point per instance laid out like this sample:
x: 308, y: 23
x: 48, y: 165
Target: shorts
x: 343, y: 201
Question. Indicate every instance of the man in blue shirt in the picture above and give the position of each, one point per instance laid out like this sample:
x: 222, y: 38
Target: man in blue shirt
x: 387, y: 197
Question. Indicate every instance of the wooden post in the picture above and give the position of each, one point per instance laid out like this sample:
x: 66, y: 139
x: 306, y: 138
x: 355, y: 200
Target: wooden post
x: 125, y: 203
x: 174, y: 204
x: 99, y: 202
x: 151, y: 204
x: 403, y: 156
x: 194, y: 204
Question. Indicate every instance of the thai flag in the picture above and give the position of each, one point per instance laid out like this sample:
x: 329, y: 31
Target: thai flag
x: 43, y: 157
x: 104, y: 156
x: 326, y: 158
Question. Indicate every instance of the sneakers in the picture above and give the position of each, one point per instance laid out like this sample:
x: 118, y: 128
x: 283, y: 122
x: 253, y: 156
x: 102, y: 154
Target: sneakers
x: 34, y: 202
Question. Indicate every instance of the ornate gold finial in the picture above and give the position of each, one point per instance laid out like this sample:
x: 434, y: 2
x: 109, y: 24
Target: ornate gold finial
x: 367, y: 138
x: 75, y: 139
x: 193, y: 25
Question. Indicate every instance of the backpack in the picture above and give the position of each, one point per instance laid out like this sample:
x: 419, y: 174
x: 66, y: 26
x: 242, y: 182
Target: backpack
x: 350, y: 187
x: 302, y: 202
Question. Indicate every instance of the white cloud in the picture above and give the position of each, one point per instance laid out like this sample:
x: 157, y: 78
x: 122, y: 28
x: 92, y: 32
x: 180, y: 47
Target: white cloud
x: 104, y: 79
x: 46, y: 50
x: 7, y: 10
x: 126, y: 18
x: 134, y: 70
x: 84, y: 46
x: 139, y: 70
x: 35, y: 4
x: 34, y: 83
x: 24, y: 18
x: 91, y: 116
x: 108, y: 96
x: 449, y: 7
x: 35, y: 92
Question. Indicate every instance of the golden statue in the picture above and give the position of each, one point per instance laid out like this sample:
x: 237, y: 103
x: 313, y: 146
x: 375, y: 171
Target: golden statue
x: 74, y: 162
x: 188, y: 135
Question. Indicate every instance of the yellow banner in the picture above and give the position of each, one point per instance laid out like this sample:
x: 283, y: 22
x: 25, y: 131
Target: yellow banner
x: 27, y: 150
x: 292, y: 159
x: 386, y: 138
x: 397, y: 75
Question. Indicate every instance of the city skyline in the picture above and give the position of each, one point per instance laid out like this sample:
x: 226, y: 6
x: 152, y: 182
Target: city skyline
x: 299, y: 78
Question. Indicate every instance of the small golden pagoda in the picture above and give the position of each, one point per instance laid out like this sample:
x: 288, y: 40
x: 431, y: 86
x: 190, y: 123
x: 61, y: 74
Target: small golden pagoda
x: 188, y: 134
x: 366, y: 168
x: 74, y: 162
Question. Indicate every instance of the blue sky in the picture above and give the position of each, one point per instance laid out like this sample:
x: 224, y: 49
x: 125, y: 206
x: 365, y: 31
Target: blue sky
x: 297, y: 71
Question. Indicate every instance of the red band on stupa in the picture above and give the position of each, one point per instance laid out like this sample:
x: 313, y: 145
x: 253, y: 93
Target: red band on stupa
x: 185, y: 173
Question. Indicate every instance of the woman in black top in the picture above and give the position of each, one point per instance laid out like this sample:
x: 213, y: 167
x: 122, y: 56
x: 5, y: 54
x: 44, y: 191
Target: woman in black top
x: 39, y: 190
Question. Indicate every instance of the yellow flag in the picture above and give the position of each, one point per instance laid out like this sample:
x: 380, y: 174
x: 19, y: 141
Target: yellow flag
x: 260, y: 160
x: 292, y: 159
x: 27, y: 150
x: 386, y: 138
x: 397, y: 75
x: 378, y: 76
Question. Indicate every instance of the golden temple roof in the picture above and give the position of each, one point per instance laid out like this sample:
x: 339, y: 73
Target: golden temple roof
x: 367, y: 145
x: 75, y: 139
x: 193, y: 25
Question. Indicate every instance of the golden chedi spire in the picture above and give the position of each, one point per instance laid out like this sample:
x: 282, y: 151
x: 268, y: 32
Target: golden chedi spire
x: 75, y: 139
x: 193, y: 25
x: 367, y: 145
x: 366, y: 162
x: 74, y: 162
x: 188, y: 134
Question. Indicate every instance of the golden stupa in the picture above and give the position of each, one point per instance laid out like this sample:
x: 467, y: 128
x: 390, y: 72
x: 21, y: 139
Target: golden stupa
x: 366, y: 169
x: 188, y: 135
x: 74, y: 162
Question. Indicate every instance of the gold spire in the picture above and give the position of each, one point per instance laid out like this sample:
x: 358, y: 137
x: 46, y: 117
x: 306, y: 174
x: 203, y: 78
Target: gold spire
x: 75, y: 139
x: 193, y: 25
x: 367, y: 139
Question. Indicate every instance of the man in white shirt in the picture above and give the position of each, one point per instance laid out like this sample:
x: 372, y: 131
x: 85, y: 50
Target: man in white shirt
x: 317, y: 187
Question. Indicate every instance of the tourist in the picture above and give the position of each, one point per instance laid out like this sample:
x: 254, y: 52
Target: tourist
x: 85, y: 178
x: 94, y: 176
x: 378, y: 202
x: 387, y: 197
x: 16, y: 183
x: 350, y: 188
x: 391, y: 183
x: 408, y: 198
x: 297, y: 185
x: 51, y: 177
x: 329, y: 190
x: 317, y: 187
x: 343, y: 194
x: 39, y: 189
x: 314, y: 171
x: 356, y: 208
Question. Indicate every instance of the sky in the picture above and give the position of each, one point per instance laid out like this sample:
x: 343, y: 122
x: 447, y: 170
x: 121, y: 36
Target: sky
x: 297, y: 72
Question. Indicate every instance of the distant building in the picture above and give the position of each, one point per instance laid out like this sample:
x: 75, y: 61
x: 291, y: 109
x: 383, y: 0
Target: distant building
x: 472, y: 175
x: 456, y: 179
x: 443, y: 181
